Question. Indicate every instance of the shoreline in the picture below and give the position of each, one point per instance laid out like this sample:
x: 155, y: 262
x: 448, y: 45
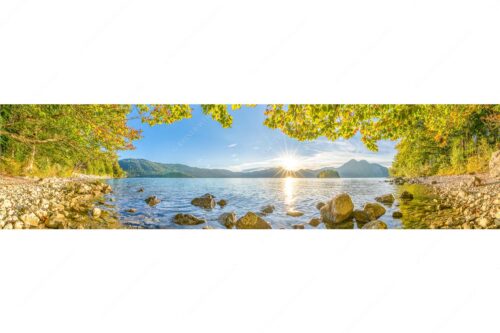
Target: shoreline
x: 473, y: 201
x: 54, y: 203
x: 468, y: 201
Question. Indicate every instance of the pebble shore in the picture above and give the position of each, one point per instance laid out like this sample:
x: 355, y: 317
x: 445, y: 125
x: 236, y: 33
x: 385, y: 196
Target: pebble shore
x: 470, y: 201
x: 54, y: 203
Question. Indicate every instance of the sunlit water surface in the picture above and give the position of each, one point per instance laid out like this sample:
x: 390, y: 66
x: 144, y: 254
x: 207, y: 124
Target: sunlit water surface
x: 244, y: 195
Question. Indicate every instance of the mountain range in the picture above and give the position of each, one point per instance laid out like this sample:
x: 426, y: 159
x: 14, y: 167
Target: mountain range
x: 140, y: 168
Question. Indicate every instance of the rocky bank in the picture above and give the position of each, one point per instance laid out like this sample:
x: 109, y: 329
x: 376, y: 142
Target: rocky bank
x: 54, y: 203
x: 467, y: 201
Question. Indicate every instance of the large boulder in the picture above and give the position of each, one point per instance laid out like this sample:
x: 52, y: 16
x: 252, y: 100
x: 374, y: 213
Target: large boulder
x: 228, y: 220
x: 374, y: 210
x: 187, y: 219
x: 375, y: 225
x: 206, y: 201
x: 495, y: 164
x: 252, y: 221
x: 386, y: 199
x: 338, y: 209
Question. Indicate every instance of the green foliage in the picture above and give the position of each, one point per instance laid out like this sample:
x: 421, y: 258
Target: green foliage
x: 62, y: 139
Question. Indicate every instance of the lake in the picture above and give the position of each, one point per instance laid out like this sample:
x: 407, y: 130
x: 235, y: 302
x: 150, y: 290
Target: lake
x: 245, y: 194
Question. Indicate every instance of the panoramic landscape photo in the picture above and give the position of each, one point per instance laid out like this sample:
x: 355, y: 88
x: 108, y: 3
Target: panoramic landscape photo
x: 268, y: 166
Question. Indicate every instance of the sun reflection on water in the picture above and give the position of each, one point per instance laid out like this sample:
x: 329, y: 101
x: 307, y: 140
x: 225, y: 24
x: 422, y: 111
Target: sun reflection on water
x: 289, y: 190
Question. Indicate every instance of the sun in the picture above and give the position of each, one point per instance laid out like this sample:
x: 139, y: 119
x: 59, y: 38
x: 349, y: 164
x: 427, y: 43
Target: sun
x: 289, y: 162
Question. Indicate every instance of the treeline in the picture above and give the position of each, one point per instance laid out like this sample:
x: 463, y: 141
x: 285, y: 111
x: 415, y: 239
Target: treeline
x: 467, y: 147
x: 60, y: 140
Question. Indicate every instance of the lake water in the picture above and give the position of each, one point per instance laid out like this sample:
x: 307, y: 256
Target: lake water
x: 244, y: 195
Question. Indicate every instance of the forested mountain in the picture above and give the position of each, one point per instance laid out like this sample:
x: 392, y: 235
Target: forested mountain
x: 145, y: 168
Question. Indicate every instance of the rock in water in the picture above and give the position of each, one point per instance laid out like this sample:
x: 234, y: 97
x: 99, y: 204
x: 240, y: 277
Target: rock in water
x: 386, y: 199
x: 222, y: 202
x: 397, y: 215
x: 338, y: 209
x: 375, y: 225
x: 320, y: 205
x: 406, y: 195
x: 187, y: 219
x: 206, y: 201
x: 361, y: 216
x: 298, y: 226
x: 315, y: 222
x: 152, y: 201
x: 140, y: 190
x: 131, y: 210
x: 294, y: 213
x: 374, y: 210
x: 494, y: 165
x: 252, y: 221
x: 228, y: 220
x: 267, y: 209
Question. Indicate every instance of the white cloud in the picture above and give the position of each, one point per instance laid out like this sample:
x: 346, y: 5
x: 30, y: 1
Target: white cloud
x: 232, y: 145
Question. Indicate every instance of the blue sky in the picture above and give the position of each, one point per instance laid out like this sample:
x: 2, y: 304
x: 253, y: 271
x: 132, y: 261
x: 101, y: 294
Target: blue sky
x: 248, y: 144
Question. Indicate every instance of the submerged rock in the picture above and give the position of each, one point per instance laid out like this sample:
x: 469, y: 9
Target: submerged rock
x: 228, y: 220
x: 397, y: 215
x: 375, y: 225
x: 206, y: 201
x: 131, y: 210
x: 140, y: 190
x: 361, y: 216
x: 374, y: 210
x: 406, y: 195
x: 386, y: 199
x: 315, y: 222
x: 294, y: 213
x: 222, y: 202
x: 252, y: 221
x: 187, y: 219
x: 152, y: 200
x: 268, y: 209
x: 298, y: 226
x: 320, y: 205
x: 338, y: 209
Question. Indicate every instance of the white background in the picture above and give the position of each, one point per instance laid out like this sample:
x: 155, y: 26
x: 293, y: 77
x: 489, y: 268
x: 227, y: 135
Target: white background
x: 249, y: 52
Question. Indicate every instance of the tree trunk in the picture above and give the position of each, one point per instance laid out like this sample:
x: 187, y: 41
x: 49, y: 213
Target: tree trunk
x: 31, y: 162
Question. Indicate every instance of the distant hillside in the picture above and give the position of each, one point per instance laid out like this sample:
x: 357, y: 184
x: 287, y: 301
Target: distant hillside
x: 362, y: 169
x: 137, y: 168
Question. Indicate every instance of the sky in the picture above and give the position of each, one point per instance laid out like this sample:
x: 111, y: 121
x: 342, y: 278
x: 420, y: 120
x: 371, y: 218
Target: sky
x: 247, y: 145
